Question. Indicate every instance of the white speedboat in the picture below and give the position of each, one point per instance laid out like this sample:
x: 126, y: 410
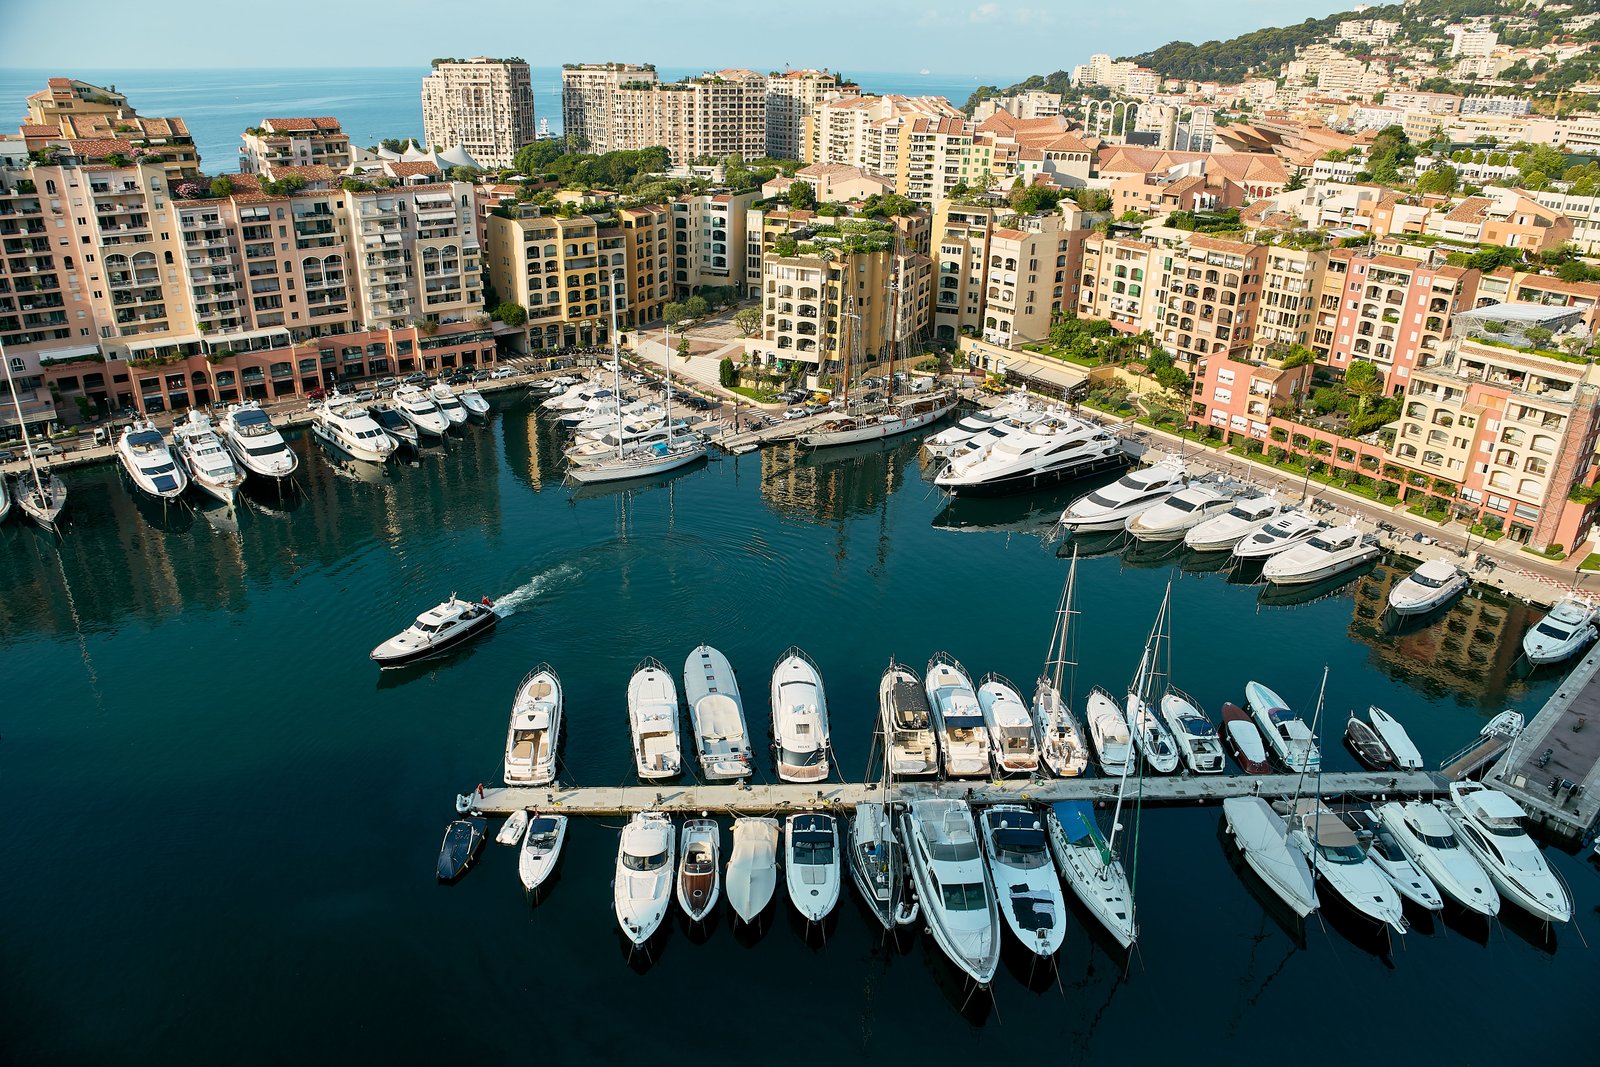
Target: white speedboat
x: 1220, y: 533
x: 1108, y: 729
x: 597, y: 412
x: 1288, y: 529
x: 1422, y: 830
x: 420, y: 410
x: 1430, y: 587
x: 535, y: 729
x: 653, y: 720
x: 1042, y: 455
x: 1243, y: 739
x: 799, y: 719
x: 1151, y: 735
x: 1091, y: 869
x: 437, y: 630
x: 1560, y: 634
x: 878, y: 866
x: 638, y: 414
x: 448, y: 403
x: 967, y: 427
x: 541, y: 849
x: 700, y: 868
x: 898, y: 416
x: 144, y: 455
x: 1322, y: 556
x: 1406, y: 756
x: 717, y: 715
x: 344, y: 424
x: 752, y: 867
x: 1290, y: 739
x: 811, y: 864
x: 1172, y: 518
x: 255, y: 443
x: 1262, y: 837
x: 1339, y: 861
x: 1384, y: 850
x: 953, y: 884
x: 205, y: 458
x: 1111, y: 506
x: 577, y: 396
x: 1489, y: 823
x: 477, y: 407
x: 1025, y: 882
x: 642, y: 890
x: 957, y: 718
x: 1195, y: 734
x: 1005, y: 716
x: 911, y: 746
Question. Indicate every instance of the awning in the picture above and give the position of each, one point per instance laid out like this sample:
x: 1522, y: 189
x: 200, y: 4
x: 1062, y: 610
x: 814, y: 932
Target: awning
x: 59, y: 355
x: 1050, y: 371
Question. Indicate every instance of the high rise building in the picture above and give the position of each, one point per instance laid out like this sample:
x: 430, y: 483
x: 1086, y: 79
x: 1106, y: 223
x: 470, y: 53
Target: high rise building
x: 792, y: 97
x: 588, y: 92
x: 484, y: 105
x: 294, y: 142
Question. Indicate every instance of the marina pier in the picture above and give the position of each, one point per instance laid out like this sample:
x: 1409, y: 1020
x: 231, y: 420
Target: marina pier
x: 1553, y: 768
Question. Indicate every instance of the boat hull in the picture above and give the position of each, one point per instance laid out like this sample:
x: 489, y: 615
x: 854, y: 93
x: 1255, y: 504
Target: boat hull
x: 479, y: 627
x: 1317, y: 574
x: 1020, y: 482
x: 878, y: 430
x: 601, y: 472
x: 354, y: 451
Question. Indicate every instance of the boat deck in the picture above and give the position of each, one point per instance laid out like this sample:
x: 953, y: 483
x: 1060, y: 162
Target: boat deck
x: 1568, y: 728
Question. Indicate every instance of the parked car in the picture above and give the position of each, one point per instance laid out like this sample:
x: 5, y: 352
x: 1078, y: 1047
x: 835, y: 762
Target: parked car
x: 44, y: 448
x: 639, y: 379
x: 414, y: 378
x: 387, y: 383
x: 479, y: 376
x: 366, y: 396
x: 503, y: 372
x: 459, y: 378
x: 811, y: 407
x: 316, y: 394
x: 792, y: 413
x: 8, y: 455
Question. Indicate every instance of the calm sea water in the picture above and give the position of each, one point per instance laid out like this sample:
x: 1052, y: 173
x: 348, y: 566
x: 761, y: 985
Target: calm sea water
x: 372, y: 103
x: 223, y: 821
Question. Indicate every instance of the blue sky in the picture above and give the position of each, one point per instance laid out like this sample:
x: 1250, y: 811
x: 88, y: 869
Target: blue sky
x: 946, y: 36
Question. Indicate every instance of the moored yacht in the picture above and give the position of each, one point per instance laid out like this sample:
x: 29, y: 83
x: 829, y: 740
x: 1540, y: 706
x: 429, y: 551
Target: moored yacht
x: 535, y: 729
x: 1111, y: 506
x: 541, y: 849
x: 395, y: 425
x: 717, y: 715
x: 448, y: 403
x: 1172, y: 518
x: 1567, y: 628
x: 1262, y: 837
x: 474, y: 403
x: 1041, y: 455
x: 1426, y: 835
x: 1339, y: 861
x: 911, y: 747
x: 1219, y: 533
x: 1062, y: 747
x: 420, y: 410
x: 1284, y: 532
x: 345, y: 425
x: 1091, y: 869
x: 897, y: 416
x: 148, y: 461
x: 1322, y: 556
x: 1108, y: 729
x: 811, y: 863
x: 653, y: 720
x: 1194, y: 733
x: 1025, y: 882
x: 799, y: 719
x: 255, y: 443
x: 699, y: 870
x: 878, y: 866
x: 1406, y: 755
x: 576, y: 395
x: 1290, y: 739
x: 1244, y: 740
x: 1431, y: 586
x: 1005, y: 716
x: 642, y: 890
x: 1489, y: 823
x: 752, y: 867
x: 967, y: 427
x: 953, y: 884
x: 205, y: 458
x: 957, y: 718
x: 1386, y: 853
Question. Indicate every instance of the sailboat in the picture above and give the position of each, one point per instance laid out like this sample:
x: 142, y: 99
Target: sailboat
x: 1061, y: 743
x: 46, y: 498
x: 1151, y: 734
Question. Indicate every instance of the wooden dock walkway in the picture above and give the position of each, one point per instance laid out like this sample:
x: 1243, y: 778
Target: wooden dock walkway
x: 765, y: 799
x: 1562, y: 792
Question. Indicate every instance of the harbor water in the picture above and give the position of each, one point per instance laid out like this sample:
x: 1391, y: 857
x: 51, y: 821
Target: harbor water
x: 223, y: 820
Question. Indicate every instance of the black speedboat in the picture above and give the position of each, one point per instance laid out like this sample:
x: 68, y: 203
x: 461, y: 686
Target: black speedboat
x: 1368, y: 747
x: 462, y: 841
x: 436, y: 630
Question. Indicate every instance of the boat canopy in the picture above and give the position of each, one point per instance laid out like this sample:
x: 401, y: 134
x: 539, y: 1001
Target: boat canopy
x: 718, y: 718
x: 910, y: 706
x: 1078, y: 822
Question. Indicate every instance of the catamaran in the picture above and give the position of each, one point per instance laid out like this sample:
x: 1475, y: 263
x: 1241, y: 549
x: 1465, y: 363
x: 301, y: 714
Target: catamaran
x: 1062, y: 748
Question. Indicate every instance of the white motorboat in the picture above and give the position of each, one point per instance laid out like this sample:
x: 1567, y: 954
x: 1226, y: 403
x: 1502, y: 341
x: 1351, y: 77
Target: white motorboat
x: 967, y: 427
x: 601, y: 411
x: 256, y: 444
x: 1421, y: 829
x: 642, y: 890
x: 638, y: 414
x: 957, y: 718
x: 1406, y: 756
x: 1220, y: 533
x: 1262, y: 837
x: 1025, y: 883
x: 1172, y: 518
x: 1339, y: 861
x: 344, y: 424
x: 1091, y: 868
x: 877, y: 864
x: 535, y: 729
x: 512, y: 829
x: 911, y: 746
x: 471, y: 399
x: 144, y: 455
x: 448, y: 403
x: 1430, y: 587
x: 1151, y: 735
x: 1111, y: 506
x: 1489, y: 823
x: 541, y: 849
x: 1194, y: 732
x: 1288, y: 529
x: 612, y: 444
x: 395, y: 425
x: 953, y: 884
x: 1567, y: 628
x: 1108, y: 729
x: 799, y: 719
x: 717, y: 715
x: 1290, y: 739
x: 205, y: 458
x: 653, y: 720
x: 1041, y: 455
x: 752, y: 867
x: 1005, y: 716
x: 420, y: 410
x: 700, y: 868
x: 1390, y: 857
x: 437, y: 630
x: 1062, y: 747
x: 1321, y: 556
x: 576, y: 396
x: 898, y: 416
x: 811, y: 864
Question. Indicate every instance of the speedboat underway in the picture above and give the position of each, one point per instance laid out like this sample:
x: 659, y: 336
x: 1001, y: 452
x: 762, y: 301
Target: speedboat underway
x: 953, y: 884
x: 1406, y: 756
x: 535, y: 729
x: 1175, y: 516
x: 811, y: 862
x: 957, y: 717
x: 1111, y: 506
x: 1569, y: 626
x: 419, y: 409
x: 541, y: 848
x: 642, y: 891
x: 653, y: 719
x: 477, y: 407
x: 1027, y: 459
x: 969, y: 426
x: 1489, y: 824
x: 463, y: 840
x: 699, y: 871
x: 1244, y: 740
x: 205, y: 458
x: 1337, y: 858
x: 1219, y: 533
x: 910, y: 745
x: 144, y: 455
x: 1284, y: 532
x: 799, y: 719
x: 717, y: 714
x: 1430, y: 587
x: 1091, y: 869
x: 1421, y: 829
x: 1010, y: 726
x: 1290, y: 739
x: 877, y: 864
x: 1196, y: 736
x: 1154, y: 741
x: 437, y: 630
x: 1262, y: 837
x: 1322, y: 556
x: 1384, y: 850
x: 344, y: 424
x: 448, y: 403
x: 753, y: 867
x: 255, y: 443
x: 1108, y: 729
x: 1029, y: 894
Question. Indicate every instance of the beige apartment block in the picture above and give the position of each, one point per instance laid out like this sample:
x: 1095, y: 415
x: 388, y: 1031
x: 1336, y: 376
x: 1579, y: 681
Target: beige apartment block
x: 709, y: 239
x: 481, y: 104
x: 294, y: 142
x: 417, y: 254
x: 588, y: 92
x: 792, y: 98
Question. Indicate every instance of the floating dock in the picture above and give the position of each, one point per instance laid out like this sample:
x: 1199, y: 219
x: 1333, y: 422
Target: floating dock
x: 1553, y: 768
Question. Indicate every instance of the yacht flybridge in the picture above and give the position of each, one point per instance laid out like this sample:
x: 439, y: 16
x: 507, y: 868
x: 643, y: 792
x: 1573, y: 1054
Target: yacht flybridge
x: 1324, y: 555
x: 149, y: 463
x: 1490, y: 824
x: 1028, y: 459
x: 421, y: 411
x: 1011, y: 733
x: 535, y: 729
x: 1560, y: 634
x: 911, y: 746
x: 448, y: 403
x: 345, y: 425
x: 957, y: 717
x: 969, y: 426
x: 205, y: 458
x: 1172, y: 518
x: 256, y: 444
x: 437, y: 630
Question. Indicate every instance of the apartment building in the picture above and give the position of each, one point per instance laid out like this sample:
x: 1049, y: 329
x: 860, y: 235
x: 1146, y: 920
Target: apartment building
x: 294, y: 142
x: 715, y: 115
x: 417, y: 253
x: 864, y: 131
x: 89, y: 121
x: 1503, y: 217
x: 1211, y: 293
x: 1239, y: 395
x: 1030, y: 277
x: 588, y: 93
x: 1291, y: 283
x: 1027, y: 106
x: 1389, y: 310
x: 481, y: 104
x: 709, y: 240
x: 1119, y: 282
x: 792, y: 98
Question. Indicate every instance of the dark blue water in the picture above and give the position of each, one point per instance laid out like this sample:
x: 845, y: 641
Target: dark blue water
x: 223, y: 822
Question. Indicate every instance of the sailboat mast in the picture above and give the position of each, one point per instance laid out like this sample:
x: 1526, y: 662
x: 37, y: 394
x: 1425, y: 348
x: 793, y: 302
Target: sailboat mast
x: 22, y: 423
x: 1058, y: 639
x: 669, y: 385
x: 616, y: 362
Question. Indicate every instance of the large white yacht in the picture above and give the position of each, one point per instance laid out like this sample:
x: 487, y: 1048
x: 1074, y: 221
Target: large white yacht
x: 1569, y: 626
x: 1284, y: 532
x: 653, y: 720
x: 1490, y: 824
x: 813, y: 863
x: 911, y: 746
x: 642, y: 890
x: 1028, y: 459
x: 1219, y: 533
x: 1172, y: 518
x: 256, y: 443
x: 535, y: 729
x: 1290, y: 739
x: 1322, y: 556
x: 1422, y: 830
x: 969, y: 426
x: 448, y: 402
x: 1108, y: 729
x: 576, y: 396
x: 717, y: 714
x: 1025, y: 882
x: 957, y: 718
x: 1091, y: 869
x: 437, y: 630
x: 1111, y: 506
x: 1339, y: 860
x: 799, y: 719
x: 345, y: 425
x: 1383, y: 849
x: 420, y: 410
x: 205, y: 458
x: 1428, y: 588
x: 1005, y: 716
x: 143, y: 452
x: 953, y: 884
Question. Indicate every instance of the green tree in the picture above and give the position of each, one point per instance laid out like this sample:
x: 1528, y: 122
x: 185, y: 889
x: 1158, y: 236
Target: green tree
x: 1364, y: 381
x: 673, y: 312
x: 748, y: 320
x: 222, y: 186
x: 1441, y: 179
x: 726, y: 374
x: 802, y: 197
x: 510, y: 313
x: 463, y: 174
x: 696, y: 307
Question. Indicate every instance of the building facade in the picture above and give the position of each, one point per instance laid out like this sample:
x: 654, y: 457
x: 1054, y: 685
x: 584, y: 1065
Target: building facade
x: 483, y: 105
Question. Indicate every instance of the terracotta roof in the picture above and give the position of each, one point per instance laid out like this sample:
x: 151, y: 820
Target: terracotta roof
x: 59, y: 83
x: 99, y: 147
x: 407, y: 170
x: 315, y: 172
x: 319, y: 122
x: 1010, y: 235
x: 1472, y: 209
x: 29, y: 130
x: 1064, y: 142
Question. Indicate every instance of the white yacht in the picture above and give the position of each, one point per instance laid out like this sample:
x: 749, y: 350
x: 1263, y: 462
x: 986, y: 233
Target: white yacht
x: 1017, y: 422
x: 535, y: 729
x: 471, y: 399
x: 967, y: 427
x: 1091, y: 869
x: 345, y: 425
x: 653, y: 720
x: 799, y: 719
x: 1322, y: 556
x: 1569, y: 626
x: 1288, y: 529
x: 1194, y: 732
x: 144, y: 455
x: 1339, y: 861
x: 1421, y: 829
x: 717, y: 715
x: 891, y: 419
x: 642, y: 890
x: 576, y: 396
x: 641, y: 461
x: 1262, y: 837
x: 1111, y: 506
x: 1005, y: 716
x: 1406, y: 756
x: 1286, y: 734
x: 752, y: 867
x: 1384, y: 850
x: 639, y: 413
x: 953, y: 884
x: 603, y: 410
x: 1025, y: 882
x: 910, y: 744
x: 1151, y: 735
x: 700, y: 868
x: 1172, y: 518
x: 957, y: 718
x: 420, y: 410
x: 1219, y: 533
x: 1039, y: 456
x: 1108, y: 729
x: 1490, y: 825
x: 206, y: 458
x: 541, y: 849
x: 1430, y: 587
x: 437, y: 630
x: 877, y: 865
x: 448, y: 403
x: 1062, y: 748
x: 255, y: 443
x: 811, y: 863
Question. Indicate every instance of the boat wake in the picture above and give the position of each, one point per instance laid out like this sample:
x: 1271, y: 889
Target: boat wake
x: 533, y: 589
